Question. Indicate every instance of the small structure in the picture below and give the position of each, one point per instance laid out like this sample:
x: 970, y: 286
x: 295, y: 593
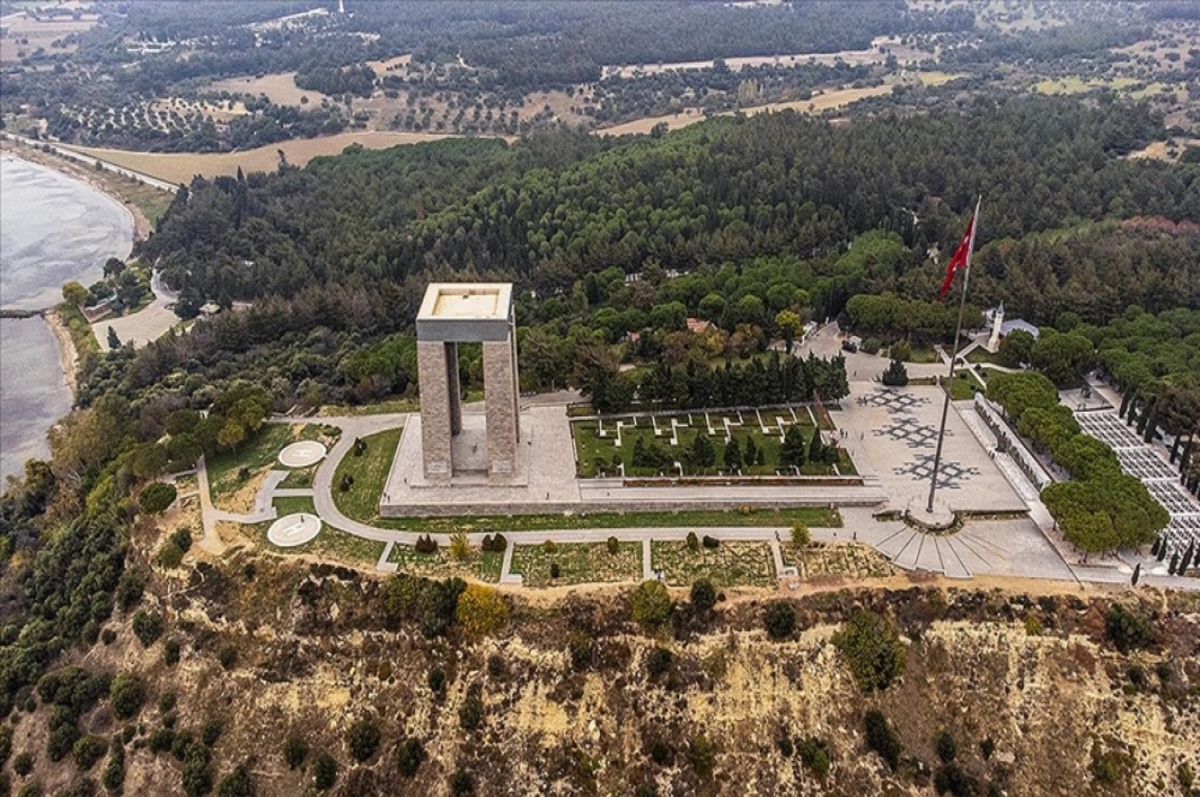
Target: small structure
x: 454, y: 313
x: 1002, y: 329
x: 209, y: 309
x: 301, y: 454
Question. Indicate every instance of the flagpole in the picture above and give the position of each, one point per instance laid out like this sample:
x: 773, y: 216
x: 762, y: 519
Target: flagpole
x: 962, y: 306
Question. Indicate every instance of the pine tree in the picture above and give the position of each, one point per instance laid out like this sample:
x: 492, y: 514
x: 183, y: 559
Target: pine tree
x: 1137, y: 574
x: 1186, y: 562
x: 816, y: 449
x: 703, y: 453
x: 791, y: 453
x: 896, y: 375
x: 752, y: 453
x: 113, y: 341
x: 733, y: 455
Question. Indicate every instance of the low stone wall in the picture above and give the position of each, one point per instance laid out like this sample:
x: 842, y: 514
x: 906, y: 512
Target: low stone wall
x: 607, y: 507
x: 1011, y: 444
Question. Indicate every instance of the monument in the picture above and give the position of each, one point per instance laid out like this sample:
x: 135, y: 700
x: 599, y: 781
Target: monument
x: 450, y: 314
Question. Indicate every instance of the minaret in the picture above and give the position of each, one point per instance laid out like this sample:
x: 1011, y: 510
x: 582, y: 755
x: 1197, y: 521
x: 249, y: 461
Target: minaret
x: 997, y: 322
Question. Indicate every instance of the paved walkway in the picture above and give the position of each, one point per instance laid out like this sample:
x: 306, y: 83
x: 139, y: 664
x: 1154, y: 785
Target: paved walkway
x: 1013, y: 547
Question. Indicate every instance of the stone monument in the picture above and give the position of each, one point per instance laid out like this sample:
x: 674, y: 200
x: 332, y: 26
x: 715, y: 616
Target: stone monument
x: 454, y: 313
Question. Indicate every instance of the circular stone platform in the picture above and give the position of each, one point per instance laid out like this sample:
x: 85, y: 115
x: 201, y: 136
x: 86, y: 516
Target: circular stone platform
x: 292, y: 530
x: 302, y: 454
x: 940, y: 521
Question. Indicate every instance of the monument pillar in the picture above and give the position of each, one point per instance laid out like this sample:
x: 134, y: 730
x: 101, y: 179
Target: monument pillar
x: 436, y: 424
x: 499, y: 381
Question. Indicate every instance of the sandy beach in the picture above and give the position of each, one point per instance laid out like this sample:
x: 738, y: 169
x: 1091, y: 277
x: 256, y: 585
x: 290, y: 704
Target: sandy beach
x: 68, y: 355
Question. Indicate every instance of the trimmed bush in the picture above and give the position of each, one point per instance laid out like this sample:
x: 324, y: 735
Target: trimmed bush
x: 325, y: 771
x: 363, y: 739
x: 614, y: 545
x: 703, y: 596
x: 295, y: 750
x: 410, y: 754
x: 710, y: 542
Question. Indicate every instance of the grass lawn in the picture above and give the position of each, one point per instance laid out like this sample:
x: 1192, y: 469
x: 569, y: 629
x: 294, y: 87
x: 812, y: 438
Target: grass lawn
x: 982, y: 355
x: 370, y: 472
x: 330, y: 543
x: 578, y: 563
x: 300, y: 478
x: 923, y: 356
x: 851, y: 561
x: 729, y: 564
x: 482, y: 566
x: 260, y: 454
x: 289, y: 505
x: 702, y: 518
x: 378, y: 408
x: 595, y: 454
x: 965, y: 386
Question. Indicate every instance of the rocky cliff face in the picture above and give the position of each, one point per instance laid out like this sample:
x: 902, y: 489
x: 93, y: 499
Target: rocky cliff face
x: 571, y: 698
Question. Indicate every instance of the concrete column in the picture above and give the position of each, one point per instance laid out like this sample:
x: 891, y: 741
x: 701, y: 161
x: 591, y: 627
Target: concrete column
x: 454, y: 388
x: 499, y: 383
x: 438, y: 460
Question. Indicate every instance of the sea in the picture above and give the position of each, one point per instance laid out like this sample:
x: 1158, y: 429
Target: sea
x: 53, y: 229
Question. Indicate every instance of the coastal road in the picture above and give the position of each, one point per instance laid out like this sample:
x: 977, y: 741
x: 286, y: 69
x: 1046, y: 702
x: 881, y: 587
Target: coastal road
x: 91, y: 160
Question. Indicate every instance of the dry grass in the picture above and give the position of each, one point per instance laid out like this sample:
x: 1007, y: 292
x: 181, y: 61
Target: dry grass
x: 217, y: 111
x: 39, y: 33
x: 1075, y: 85
x: 280, y: 88
x: 381, y: 67
x: 181, y: 167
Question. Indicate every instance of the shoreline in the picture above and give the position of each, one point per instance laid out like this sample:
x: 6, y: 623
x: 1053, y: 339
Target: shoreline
x: 68, y: 355
x: 141, y: 225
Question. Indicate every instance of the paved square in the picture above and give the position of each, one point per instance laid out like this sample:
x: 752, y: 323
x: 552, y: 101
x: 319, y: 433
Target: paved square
x: 891, y: 433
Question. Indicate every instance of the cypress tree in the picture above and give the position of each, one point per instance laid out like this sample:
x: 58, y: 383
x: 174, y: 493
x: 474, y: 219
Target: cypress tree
x: 816, y: 448
x: 751, y: 453
x: 1137, y: 574
x: 733, y: 454
x: 1174, y: 566
x: 1162, y: 550
x: 1186, y: 562
x: 1154, y: 548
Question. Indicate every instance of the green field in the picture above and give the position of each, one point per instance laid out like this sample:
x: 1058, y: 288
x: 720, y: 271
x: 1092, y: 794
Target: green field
x: 370, y: 472
x: 596, y: 455
x: 259, y: 454
x: 482, y: 566
x: 702, y: 518
x: 729, y: 564
x: 578, y: 563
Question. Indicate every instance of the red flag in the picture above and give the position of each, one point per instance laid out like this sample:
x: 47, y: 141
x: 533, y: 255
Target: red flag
x: 961, y: 255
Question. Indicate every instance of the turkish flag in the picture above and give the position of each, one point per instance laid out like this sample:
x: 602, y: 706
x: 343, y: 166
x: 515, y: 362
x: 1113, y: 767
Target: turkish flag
x: 961, y: 255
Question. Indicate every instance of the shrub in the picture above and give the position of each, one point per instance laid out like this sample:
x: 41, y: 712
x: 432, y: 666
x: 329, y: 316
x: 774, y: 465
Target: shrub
x: 693, y: 542
x: 481, y: 610
x: 410, y: 754
x: 871, y: 346
x: 147, y: 627
x: 161, y: 740
x: 801, y: 538
x: 197, y: 770
x: 703, y: 595
x: 129, y: 589
x: 882, y: 739
x: 871, y: 646
x: 325, y: 771
x: 437, y: 681
x: 986, y: 748
x: 157, y: 497
x: 126, y: 696
x: 951, y: 779
x: 658, y: 661
x: 237, y: 783
x: 896, y: 375
x: 650, y: 604
x: 1127, y: 629
x: 499, y: 543
x: 486, y: 543
x: 170, y: 556
x: 710, y: 542
x: 171, y: 652
x: 460, y: 546
x: 702, y: 754
x: 780, y: 620
x: 470, y: 714
x: 108, y: 636
x: 495, y: 666
x: 295, y: 750
x: 555, y: 570
x: 549, y: 546
x: 579, y: 646
x: 613, y: 545
x: 947, y: 750
x: 88, y: 750
x: 23, y: 764
x: 113, y: 776
x: 181, y: 538
x: 63, y: 734
x: 211, y: 731
x: 227, y: 656
x: 6, y: 736
x: 462, y: 784
x: 815, y: 755
x: 166, y: 702
x: 425, y: 544
x: 363, y: 739
x: 661, y: 753
x: 784, y: 743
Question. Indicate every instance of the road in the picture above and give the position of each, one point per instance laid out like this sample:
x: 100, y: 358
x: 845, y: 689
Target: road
x: 90, y: 160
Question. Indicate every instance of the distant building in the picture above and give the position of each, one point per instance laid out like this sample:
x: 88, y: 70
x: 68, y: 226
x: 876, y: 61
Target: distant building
x: 698, y: 326
x: 1002, y: 328
x: 209, y: 309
